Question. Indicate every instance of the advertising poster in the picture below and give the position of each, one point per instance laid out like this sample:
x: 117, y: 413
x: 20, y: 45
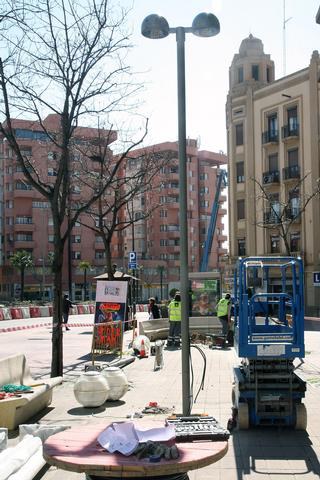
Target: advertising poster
x: 111, y: 297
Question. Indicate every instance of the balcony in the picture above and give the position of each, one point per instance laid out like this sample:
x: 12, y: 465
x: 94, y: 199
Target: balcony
x: 293, y: 214
x: 271, y: 218
x: 271, y: 177
x: 24, y: 244
x: 270, y: 136
x: 291, y: 173
x: 289, y: 131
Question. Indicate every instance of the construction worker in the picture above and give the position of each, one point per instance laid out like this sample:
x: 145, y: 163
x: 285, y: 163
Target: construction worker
x: 223, y: 313
x: 174, y: 321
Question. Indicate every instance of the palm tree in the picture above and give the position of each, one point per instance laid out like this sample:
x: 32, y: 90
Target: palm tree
x: 21, y: 260
x: 84, y: 265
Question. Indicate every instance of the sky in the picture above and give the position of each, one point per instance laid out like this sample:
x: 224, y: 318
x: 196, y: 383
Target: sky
x: 208, y: 59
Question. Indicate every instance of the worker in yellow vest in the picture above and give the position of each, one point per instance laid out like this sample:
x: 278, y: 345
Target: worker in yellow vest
x: 174, y: 308
x: 223, y: 313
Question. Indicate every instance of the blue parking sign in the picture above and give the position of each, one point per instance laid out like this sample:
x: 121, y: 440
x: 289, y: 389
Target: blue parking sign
x: 316, y: 279
x: 132, y: 264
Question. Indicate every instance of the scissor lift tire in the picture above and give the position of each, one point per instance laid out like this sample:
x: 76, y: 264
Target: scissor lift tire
x: 243, y: 416
x: 301, y: 417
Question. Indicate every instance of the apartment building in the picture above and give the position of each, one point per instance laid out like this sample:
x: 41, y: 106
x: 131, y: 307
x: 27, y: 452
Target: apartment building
x: 27, y: 223
x: 273, y: 137
x: 156, y: 239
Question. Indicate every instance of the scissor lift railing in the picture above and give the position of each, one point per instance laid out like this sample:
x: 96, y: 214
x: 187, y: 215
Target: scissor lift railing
x: 269, y: 323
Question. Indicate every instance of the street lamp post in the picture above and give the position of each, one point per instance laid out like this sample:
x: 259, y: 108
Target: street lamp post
x: 156, y: 27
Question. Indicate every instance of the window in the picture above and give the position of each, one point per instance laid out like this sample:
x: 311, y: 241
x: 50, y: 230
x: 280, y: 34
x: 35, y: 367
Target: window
x: 240, y: 210
x: 37, y: 204
x: 24, y: 237
x: 241, y: 247
x: 9, y: 170
x: 76, y: 238
x: 273, y: 126
x: 52, y: 172
x: 273, y: 162
x: 292, y: 115
x: 203, y: 176
x: 204, y: 203
x: 163, y: 228
x: 255, y: 72
x: 9, y: 220
x: 295, y: 242
x: 99, y: 254
x: 293, y: 157
x: 9, y: 187
x: 163, y: 242
x: 239, y: 134
x: 23, y: 220
x: 50, y: 221
x: 240, y: 74
x: 204, y: 190
x: 52, y: 156
x: 51, y: 238
x: 163, y: 213
x: 163, y: 256
x: 22, y: 185
x: 275, y: 244
x: 173, y: 228
x: 76, y: 255
x: 9, y: 203
x: 275, y: 207
x: 294, y: 201
x: 268, y: 74
x: 240, y: 172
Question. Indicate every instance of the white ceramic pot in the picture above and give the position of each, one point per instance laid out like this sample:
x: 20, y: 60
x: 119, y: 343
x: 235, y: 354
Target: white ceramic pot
x: 117, y: 381
x: 91, y: 389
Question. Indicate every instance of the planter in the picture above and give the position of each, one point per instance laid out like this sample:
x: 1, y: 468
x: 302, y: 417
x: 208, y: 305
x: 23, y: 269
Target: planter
x: 91, y: 389
x: 117, y: 381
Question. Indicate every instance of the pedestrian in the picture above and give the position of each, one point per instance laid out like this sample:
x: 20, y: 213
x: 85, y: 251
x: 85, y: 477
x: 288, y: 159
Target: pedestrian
x: 153, y: 309
x: 224, y: 313
x: 66, y: 305
x: 174, y: 336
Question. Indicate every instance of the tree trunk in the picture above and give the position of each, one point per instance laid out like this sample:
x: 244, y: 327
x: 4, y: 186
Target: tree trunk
x: 107, y: 246
x: 57, y: 336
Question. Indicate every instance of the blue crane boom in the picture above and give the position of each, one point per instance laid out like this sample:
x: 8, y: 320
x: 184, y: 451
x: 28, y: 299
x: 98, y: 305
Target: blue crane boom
x: 221, y: 182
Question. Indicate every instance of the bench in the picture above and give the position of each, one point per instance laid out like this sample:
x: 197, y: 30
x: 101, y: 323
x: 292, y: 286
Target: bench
x: 24, y: 460
x: 16, y: 410
x: 158, y: 329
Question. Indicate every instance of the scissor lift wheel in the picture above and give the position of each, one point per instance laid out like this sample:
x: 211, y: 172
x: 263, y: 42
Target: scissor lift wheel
x: 243, y: 416
x: 301, y: 417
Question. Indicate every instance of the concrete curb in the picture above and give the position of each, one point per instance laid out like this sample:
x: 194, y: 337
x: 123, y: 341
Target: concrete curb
x: 27, y: 327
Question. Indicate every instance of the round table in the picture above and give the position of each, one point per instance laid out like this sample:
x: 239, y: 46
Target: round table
x: 77, y: 450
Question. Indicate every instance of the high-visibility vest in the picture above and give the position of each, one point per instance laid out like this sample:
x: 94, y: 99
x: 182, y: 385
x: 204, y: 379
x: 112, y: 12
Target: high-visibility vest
x: 175, y: 311
x: 222, y: 307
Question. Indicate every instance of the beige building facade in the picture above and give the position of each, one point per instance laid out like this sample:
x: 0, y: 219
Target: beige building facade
x: 273, y: 152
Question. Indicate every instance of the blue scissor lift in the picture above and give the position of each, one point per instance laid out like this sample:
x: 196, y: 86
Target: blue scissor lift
x: 269, y: 335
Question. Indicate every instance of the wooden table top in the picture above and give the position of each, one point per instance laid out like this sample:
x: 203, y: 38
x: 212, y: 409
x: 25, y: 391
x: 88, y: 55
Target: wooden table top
x: 77, y: 450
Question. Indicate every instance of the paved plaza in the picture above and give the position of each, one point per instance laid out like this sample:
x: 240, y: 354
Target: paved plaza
x: 260, y: 453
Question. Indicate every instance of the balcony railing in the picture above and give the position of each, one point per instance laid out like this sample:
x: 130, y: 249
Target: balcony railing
x: 271, y: 177
x: 290, y: 131
x: 270, y: 136
x: 270, y: 217
x: 293, y: 214
x: 291, y: 172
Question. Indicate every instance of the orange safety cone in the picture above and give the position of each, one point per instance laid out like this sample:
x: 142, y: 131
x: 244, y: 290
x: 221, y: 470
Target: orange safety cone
x: 142, y: 349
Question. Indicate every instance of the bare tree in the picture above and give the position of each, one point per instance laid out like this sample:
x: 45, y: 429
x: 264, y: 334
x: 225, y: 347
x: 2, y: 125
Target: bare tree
x: 281, y: 212
x: 65, y: 61
x: 130, y: 197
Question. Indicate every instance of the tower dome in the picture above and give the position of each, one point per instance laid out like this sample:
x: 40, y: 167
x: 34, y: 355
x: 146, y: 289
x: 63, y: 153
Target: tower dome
x: 251, y: 46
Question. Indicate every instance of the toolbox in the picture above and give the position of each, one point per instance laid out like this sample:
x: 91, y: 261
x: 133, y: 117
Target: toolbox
x: 194, y: 428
